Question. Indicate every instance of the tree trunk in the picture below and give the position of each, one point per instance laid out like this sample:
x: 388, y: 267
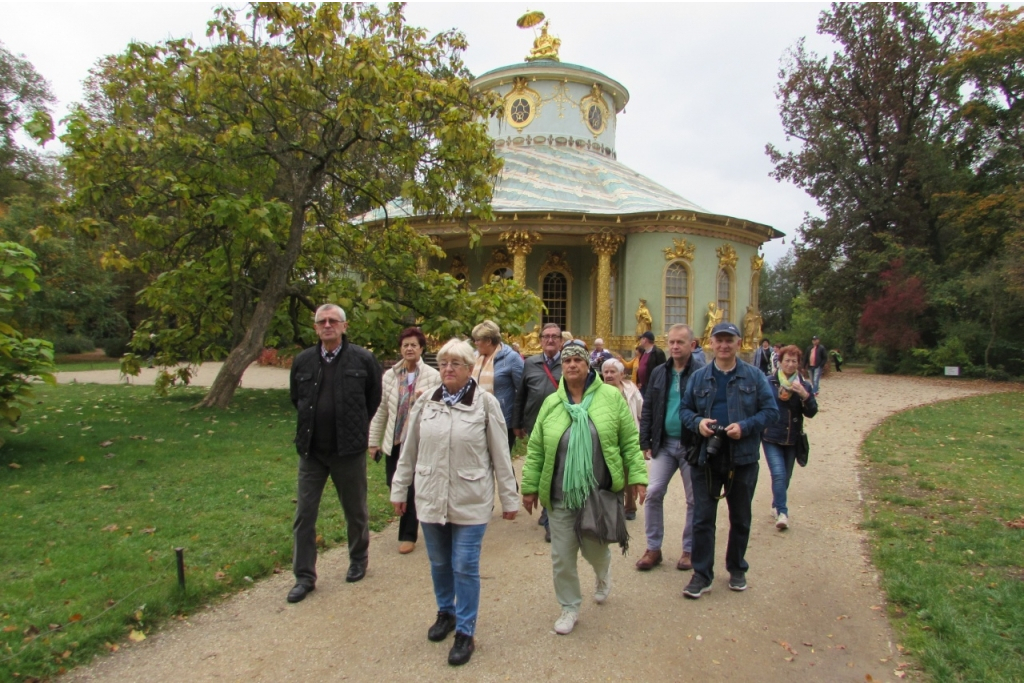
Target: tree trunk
x: 246, y: 352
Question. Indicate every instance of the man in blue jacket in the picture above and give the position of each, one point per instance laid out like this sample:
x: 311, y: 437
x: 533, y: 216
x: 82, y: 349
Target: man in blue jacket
x: 732, y: 394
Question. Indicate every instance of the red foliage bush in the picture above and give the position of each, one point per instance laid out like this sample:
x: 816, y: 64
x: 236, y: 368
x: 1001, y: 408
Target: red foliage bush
x: 890, y: 321
x: 271, y: 357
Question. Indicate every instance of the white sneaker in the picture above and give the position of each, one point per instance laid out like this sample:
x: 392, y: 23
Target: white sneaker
x: 782, y: 522
x: 604, y: 586
x: 775, y: 513
x: 566, y: 622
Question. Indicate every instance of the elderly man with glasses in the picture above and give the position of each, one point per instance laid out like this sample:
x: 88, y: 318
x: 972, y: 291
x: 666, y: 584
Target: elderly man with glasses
x: 336, y: 388
x: 541, y: 374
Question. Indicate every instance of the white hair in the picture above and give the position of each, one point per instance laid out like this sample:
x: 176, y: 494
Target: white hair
x: 341, y: 312
x: 457, y: 350
x: 614, y: 363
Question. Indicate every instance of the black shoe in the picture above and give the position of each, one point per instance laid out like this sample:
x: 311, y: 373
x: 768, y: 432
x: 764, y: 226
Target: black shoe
x: 737, y: 581
x: 698, y: 586
x: 547, y: 533
x: 444, y: 625
x: 356, y: 571
x: 299, y: 592
x: 631, y: 516
x: 461, y: 650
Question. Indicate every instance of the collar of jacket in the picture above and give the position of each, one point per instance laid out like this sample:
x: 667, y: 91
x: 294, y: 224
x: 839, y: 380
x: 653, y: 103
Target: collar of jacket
x: 340, y: 348
x: 398, y: 366
x: 467, y: 399
x: 594, y: 384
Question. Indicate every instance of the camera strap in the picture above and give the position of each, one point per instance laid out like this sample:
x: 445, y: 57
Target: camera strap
x: 729, y: 472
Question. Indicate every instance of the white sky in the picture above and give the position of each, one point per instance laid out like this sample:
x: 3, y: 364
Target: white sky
x: 701, y: 77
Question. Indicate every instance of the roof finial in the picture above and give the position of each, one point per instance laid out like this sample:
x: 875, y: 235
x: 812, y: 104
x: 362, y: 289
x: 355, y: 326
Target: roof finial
x: 544, y: 45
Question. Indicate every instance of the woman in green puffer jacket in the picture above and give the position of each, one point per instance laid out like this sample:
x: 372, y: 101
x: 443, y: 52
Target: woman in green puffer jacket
x: 585, y: 438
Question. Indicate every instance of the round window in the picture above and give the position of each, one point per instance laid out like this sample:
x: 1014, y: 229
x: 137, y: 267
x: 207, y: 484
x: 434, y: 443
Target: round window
x: 595, y: 117
x: 519, y: 111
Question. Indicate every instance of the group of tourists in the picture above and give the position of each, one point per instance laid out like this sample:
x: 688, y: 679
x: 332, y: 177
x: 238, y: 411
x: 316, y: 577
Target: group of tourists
x: 603, y: 435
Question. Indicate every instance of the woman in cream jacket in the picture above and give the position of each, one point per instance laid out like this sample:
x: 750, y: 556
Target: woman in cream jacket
x: 457, y: 446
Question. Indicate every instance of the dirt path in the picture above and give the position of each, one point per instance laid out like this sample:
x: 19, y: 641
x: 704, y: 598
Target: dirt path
x: 810, y: 587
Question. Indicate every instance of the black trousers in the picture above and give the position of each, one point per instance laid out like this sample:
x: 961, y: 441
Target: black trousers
x: 408, y: 525
x: 739, y: 499
x: 349, y: 477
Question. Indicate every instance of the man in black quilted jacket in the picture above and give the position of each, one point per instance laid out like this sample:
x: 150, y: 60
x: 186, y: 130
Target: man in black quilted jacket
x: 335, y: 386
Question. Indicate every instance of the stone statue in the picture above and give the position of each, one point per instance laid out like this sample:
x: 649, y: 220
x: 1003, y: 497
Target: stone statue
x: 644, y: 322
x: 751, y: 329
x: 715, y: 316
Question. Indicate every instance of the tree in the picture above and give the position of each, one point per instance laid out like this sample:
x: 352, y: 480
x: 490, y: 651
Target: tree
x: 777, y: 290
x: 889, y: 320
x: 24, y: 101
x: 872, y: 123
x: 21, y: 358
x: 236, y: 174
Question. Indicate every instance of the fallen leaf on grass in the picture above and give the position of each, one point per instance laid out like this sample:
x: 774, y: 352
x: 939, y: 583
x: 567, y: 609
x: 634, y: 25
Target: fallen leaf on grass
x: 136, y: 636
x: 74, y: 618
x: 30, y: 631
x: 106, y: 443
x: 14, y: 466
x: 109, y: 455
x: 1019, y: 523
x: 148, y: 531
x: 159, y: 440
x: 139, y: 437
x: 55, y: 626
x: 110, y: 529
x: 107, y: 487
x: 220, y: 575
x: 111, y: 646
x: 10, y: 629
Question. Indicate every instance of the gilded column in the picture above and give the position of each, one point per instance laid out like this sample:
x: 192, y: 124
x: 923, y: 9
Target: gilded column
x: 520, y: 244
x: 604, y: 246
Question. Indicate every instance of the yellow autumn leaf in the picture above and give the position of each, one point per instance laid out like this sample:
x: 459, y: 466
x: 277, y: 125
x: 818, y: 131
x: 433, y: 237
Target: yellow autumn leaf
x: 136, y: 636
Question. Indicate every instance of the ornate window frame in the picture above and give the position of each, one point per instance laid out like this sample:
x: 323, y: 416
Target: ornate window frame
x: 521, y: 91
x: 556, y: 262
x: 595, y: 99
x: 500, y: 259
x: 688, y: 268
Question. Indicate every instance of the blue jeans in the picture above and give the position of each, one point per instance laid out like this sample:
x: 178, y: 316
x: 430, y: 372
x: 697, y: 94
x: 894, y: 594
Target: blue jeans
x: 660, y: 470
x: 780, y: 460
x: 740, y: 495
x: 454, y: 553
x: 816, y: 378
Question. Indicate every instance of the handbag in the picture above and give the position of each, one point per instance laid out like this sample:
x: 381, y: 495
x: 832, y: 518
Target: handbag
x: 603, y: 518
x: 803, y: 449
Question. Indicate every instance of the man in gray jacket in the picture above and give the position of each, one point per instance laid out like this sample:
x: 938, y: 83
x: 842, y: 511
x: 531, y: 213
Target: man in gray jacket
x: 541, y: 374
x: 336, y: 388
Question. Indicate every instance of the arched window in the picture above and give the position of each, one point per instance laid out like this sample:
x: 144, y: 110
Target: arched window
x: 725, y: 295
x: 504, y: 273
x: 677, y: 295
x: 555, y: 293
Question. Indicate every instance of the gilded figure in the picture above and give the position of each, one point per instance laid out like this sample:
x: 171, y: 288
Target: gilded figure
x: 751, y: 329
x: 644, y: 321
x: 715, y: 316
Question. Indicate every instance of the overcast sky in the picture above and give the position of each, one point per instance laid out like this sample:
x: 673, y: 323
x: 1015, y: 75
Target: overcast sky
x: 701, y: 77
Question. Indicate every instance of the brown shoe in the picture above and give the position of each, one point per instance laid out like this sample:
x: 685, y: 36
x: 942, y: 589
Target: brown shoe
x: 685, y: 563
x: 404, y: 547
x: 649, y: 560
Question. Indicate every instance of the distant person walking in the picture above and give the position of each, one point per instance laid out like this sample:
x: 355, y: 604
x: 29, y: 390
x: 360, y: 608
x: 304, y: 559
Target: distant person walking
x: 837, y: 359
x: 614, y: 374
x: 815, y: 360
x: 497, y: 370
x: 763, y: 357
x: 783, y: 440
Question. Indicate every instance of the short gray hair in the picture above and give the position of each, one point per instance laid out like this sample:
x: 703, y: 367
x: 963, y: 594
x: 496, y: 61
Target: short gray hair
x: 487, y: 330
x: 341, y: 312
x: 682, y: 327
x: 614, y: 362
x: 457, y: 350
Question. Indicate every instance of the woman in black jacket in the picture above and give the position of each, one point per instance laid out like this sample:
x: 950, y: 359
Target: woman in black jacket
x: 783, y: 439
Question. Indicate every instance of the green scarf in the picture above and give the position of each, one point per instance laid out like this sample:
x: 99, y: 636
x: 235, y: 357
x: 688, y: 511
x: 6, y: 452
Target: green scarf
x: 578, y: 478
x: 787, y: 383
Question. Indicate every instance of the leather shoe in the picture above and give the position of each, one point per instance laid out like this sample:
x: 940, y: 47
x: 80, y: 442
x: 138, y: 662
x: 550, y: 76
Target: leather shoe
x: 631, y: 516
x: 685, y: 563
x: 649, y: 560
x: 356, y: 571
x: 406, y: 546
x: 461, y: 650
x: 444, y: 625
x: 299, y: 592
x: 547, y: 533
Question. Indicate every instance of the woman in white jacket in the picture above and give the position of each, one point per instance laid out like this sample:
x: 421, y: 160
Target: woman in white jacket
x: 457, y: 446
x: 402, y: 384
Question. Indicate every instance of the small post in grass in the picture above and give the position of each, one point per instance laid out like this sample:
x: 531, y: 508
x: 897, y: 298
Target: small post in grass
x: 180, y: 553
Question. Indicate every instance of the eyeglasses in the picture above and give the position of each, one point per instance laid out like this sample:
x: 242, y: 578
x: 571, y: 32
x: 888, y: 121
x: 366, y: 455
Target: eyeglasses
x: 328, y: 322
x: 455, y: 366
x: 576, y: 342
x: 556, y: 336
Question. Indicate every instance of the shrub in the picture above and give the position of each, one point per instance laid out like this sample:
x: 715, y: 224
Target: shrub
x: 271, y: 357
x: 72, y: 344
x: 113, y: 347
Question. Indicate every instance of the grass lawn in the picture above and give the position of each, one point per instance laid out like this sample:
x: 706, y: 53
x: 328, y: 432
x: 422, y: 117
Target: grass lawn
x: 947, y: 521
x: 99, y: 365
x: 106, y: 481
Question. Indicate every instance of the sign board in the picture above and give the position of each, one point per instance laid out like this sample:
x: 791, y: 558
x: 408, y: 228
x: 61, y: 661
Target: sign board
x: 952, y: 370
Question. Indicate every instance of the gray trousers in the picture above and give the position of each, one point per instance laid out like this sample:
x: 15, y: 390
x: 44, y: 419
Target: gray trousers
x: 349, y: 477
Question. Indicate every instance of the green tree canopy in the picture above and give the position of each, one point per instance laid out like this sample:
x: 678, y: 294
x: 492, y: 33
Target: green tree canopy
x: 236, y: 176
x: 25, y: 99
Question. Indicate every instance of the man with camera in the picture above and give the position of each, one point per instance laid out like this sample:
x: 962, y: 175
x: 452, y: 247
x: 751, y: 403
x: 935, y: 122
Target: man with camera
x: 729, y: 403
x: 665, y: 442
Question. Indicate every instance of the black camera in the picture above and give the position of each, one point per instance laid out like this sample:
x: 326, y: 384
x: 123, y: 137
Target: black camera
x: 717, y: 440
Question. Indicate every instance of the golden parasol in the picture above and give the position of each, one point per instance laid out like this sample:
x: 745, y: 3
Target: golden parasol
x: 530, y: 19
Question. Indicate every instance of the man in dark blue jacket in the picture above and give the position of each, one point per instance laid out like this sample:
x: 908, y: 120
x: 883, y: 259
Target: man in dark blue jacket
x: 732, y: 394
x: 335, y: 386
x: 665, y: 442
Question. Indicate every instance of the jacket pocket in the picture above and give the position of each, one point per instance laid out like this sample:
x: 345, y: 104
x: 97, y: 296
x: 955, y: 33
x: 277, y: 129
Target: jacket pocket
x: 474, y: 486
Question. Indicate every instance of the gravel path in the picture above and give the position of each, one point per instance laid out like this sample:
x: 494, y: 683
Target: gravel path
x: 811, y: 588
